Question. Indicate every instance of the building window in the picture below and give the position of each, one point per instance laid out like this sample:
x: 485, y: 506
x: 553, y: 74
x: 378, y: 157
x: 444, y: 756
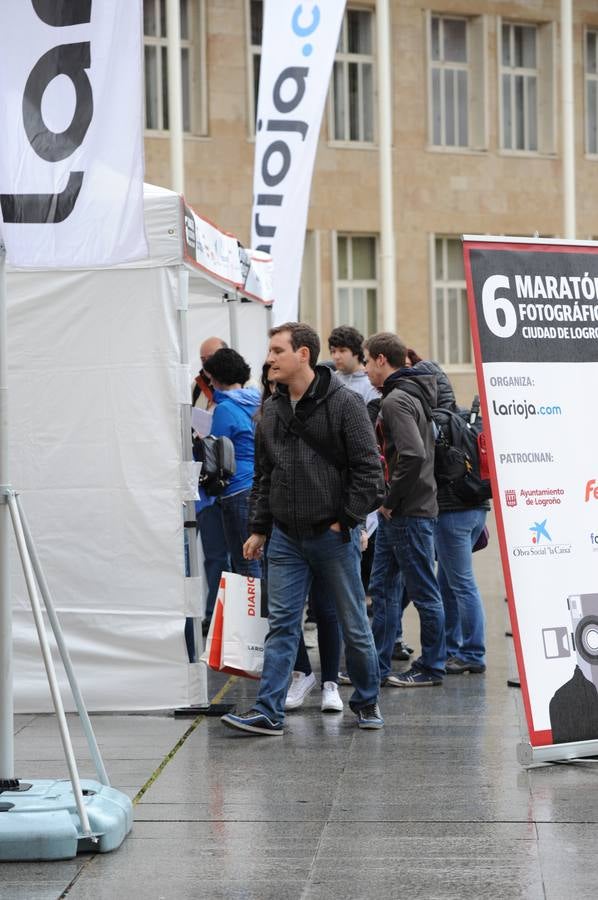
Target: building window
x: 592, y: 92
x: 450, y: 82
x: 352, y: 96
x: 527, y: 88
x: 256, y: 26
x: 519, y: 83
x: 451, y: 332
x: 356, y: 282
x: 155, y: 40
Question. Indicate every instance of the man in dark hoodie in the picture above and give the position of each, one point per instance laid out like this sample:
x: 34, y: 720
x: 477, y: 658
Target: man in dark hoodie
x: 319, y: 477
x: 405, y: 541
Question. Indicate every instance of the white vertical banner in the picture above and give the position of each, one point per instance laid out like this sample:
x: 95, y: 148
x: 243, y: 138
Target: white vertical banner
x: 298, y: 47
x: 71, y: 154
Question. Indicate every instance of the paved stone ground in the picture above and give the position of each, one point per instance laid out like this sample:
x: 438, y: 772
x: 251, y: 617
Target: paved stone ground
x: 434, y: 806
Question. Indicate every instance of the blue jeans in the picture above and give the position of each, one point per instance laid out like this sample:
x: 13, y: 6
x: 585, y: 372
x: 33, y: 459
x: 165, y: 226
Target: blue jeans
x: 292, y: 563
x: 412, y: 539
x: 456, y: 534
x: 235, y: 514
x: 389, y: 597
x: 216, y: 558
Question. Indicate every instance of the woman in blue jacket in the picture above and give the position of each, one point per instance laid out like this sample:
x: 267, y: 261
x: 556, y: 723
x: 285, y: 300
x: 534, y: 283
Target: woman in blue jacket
x: 233, y: 418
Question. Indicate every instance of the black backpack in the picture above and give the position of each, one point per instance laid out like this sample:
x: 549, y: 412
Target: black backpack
x: 217, y: 456
x: 460, y: 455
x: 460, y: 459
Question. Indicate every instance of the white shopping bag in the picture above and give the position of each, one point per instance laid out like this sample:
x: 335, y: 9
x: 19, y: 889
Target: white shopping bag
x: 239, y: 626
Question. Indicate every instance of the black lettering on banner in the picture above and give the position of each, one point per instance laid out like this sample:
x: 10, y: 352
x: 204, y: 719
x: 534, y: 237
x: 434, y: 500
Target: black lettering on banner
x: 66, y: 59
x: 276, y: 147
x: 61, y: 13
x: 288, y: 125
x: 298, y: 74
x: 39, y: 209
x: 266, y: 230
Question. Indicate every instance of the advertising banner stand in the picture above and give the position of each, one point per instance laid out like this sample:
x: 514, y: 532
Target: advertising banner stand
x: 533, y: 307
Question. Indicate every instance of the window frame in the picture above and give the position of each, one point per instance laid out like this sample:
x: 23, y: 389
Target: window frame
x: 438, y: 352
x: 253, y: 50
x: 359, y: 58
x: 477, y: 68
x: 197, y: 85
x: 546, y: 111
x: 589, y: 77
x: 351, y: 284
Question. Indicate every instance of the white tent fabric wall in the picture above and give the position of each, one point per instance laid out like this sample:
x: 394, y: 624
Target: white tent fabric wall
x: 95, y: 391
x: 95, y: 451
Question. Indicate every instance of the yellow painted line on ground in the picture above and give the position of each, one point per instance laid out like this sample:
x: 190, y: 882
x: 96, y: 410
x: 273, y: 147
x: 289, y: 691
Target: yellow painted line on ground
x: 196, y: 722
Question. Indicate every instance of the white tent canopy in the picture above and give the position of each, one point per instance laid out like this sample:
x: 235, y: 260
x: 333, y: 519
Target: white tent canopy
x: 96, y: 389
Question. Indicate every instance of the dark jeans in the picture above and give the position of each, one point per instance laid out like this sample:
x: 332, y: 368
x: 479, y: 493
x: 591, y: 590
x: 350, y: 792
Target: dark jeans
x: 235, y: 514
x: 329, y: 638
x: 291, y: 566
x: 412, y: 542
x: 389, y: 597
x: 216, y: 558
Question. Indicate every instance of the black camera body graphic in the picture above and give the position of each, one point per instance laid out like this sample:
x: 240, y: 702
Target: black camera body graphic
x: 584, y: 637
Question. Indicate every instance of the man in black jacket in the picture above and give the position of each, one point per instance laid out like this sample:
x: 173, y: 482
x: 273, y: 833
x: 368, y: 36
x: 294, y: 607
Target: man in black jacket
x: 318, y: 476
x: 405, y: 540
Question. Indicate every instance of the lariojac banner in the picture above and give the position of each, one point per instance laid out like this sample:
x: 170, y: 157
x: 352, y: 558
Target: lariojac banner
x: 534, y: 314
x: 298, y: 46
x: 71, y: 154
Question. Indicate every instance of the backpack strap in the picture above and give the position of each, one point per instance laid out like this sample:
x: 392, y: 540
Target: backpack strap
x: 299, y: 429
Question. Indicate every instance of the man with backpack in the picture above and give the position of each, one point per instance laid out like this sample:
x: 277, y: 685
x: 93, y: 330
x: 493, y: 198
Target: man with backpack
x: 319, y: 477
x: 405, y: 541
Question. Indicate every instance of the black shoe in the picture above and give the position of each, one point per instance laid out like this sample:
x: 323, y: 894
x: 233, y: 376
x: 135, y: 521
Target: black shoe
x: 254, y: 722
x: 456, y: 666
x: 369, y: 717
x: 402, y: 651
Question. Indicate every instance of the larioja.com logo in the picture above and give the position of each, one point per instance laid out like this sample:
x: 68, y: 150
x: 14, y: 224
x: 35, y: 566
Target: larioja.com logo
x: 541, y: 543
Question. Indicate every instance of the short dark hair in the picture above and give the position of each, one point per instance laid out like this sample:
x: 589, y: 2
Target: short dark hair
x: 389, y: 345
x: 302, y: 335
x: 349, y: 337
x: 227, y: 366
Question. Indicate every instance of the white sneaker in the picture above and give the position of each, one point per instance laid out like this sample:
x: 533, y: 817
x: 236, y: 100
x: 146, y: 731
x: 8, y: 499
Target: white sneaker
x: 331, y: 701
x: 299, y: 688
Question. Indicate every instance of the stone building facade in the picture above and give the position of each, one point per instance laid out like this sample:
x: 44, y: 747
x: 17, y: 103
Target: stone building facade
x: 476, y: 147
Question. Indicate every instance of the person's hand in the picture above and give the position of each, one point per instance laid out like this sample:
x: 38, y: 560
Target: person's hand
x: 336, y: 526
x: 386, y: 512
x: 363, y: 541
x: 252, y: 548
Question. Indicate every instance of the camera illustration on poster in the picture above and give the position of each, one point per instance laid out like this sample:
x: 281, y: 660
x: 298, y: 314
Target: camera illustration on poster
x: 534, y: 316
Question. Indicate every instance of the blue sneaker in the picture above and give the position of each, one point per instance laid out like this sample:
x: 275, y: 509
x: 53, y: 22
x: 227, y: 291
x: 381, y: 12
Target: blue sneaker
x: 413, y: 678
x: 369, y: 716
x: 254, y: 722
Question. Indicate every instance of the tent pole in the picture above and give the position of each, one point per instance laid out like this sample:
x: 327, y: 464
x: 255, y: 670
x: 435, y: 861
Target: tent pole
x: 6, y: 677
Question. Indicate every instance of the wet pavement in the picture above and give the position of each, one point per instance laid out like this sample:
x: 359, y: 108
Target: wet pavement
x: 433, y: 806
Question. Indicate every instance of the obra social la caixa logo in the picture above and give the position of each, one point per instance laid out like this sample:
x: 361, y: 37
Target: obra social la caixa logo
x: 70, y: 59
x: 540, y: 542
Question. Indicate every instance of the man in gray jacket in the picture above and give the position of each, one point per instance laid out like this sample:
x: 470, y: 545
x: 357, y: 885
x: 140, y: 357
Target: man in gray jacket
x: 318, y: 475
x: 405, y: 540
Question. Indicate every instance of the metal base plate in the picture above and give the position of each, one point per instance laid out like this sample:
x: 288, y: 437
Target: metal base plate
x: 211, y: 710
x: 43, y: 823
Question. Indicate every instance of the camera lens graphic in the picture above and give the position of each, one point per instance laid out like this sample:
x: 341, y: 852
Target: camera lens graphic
x: 586, y: 639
